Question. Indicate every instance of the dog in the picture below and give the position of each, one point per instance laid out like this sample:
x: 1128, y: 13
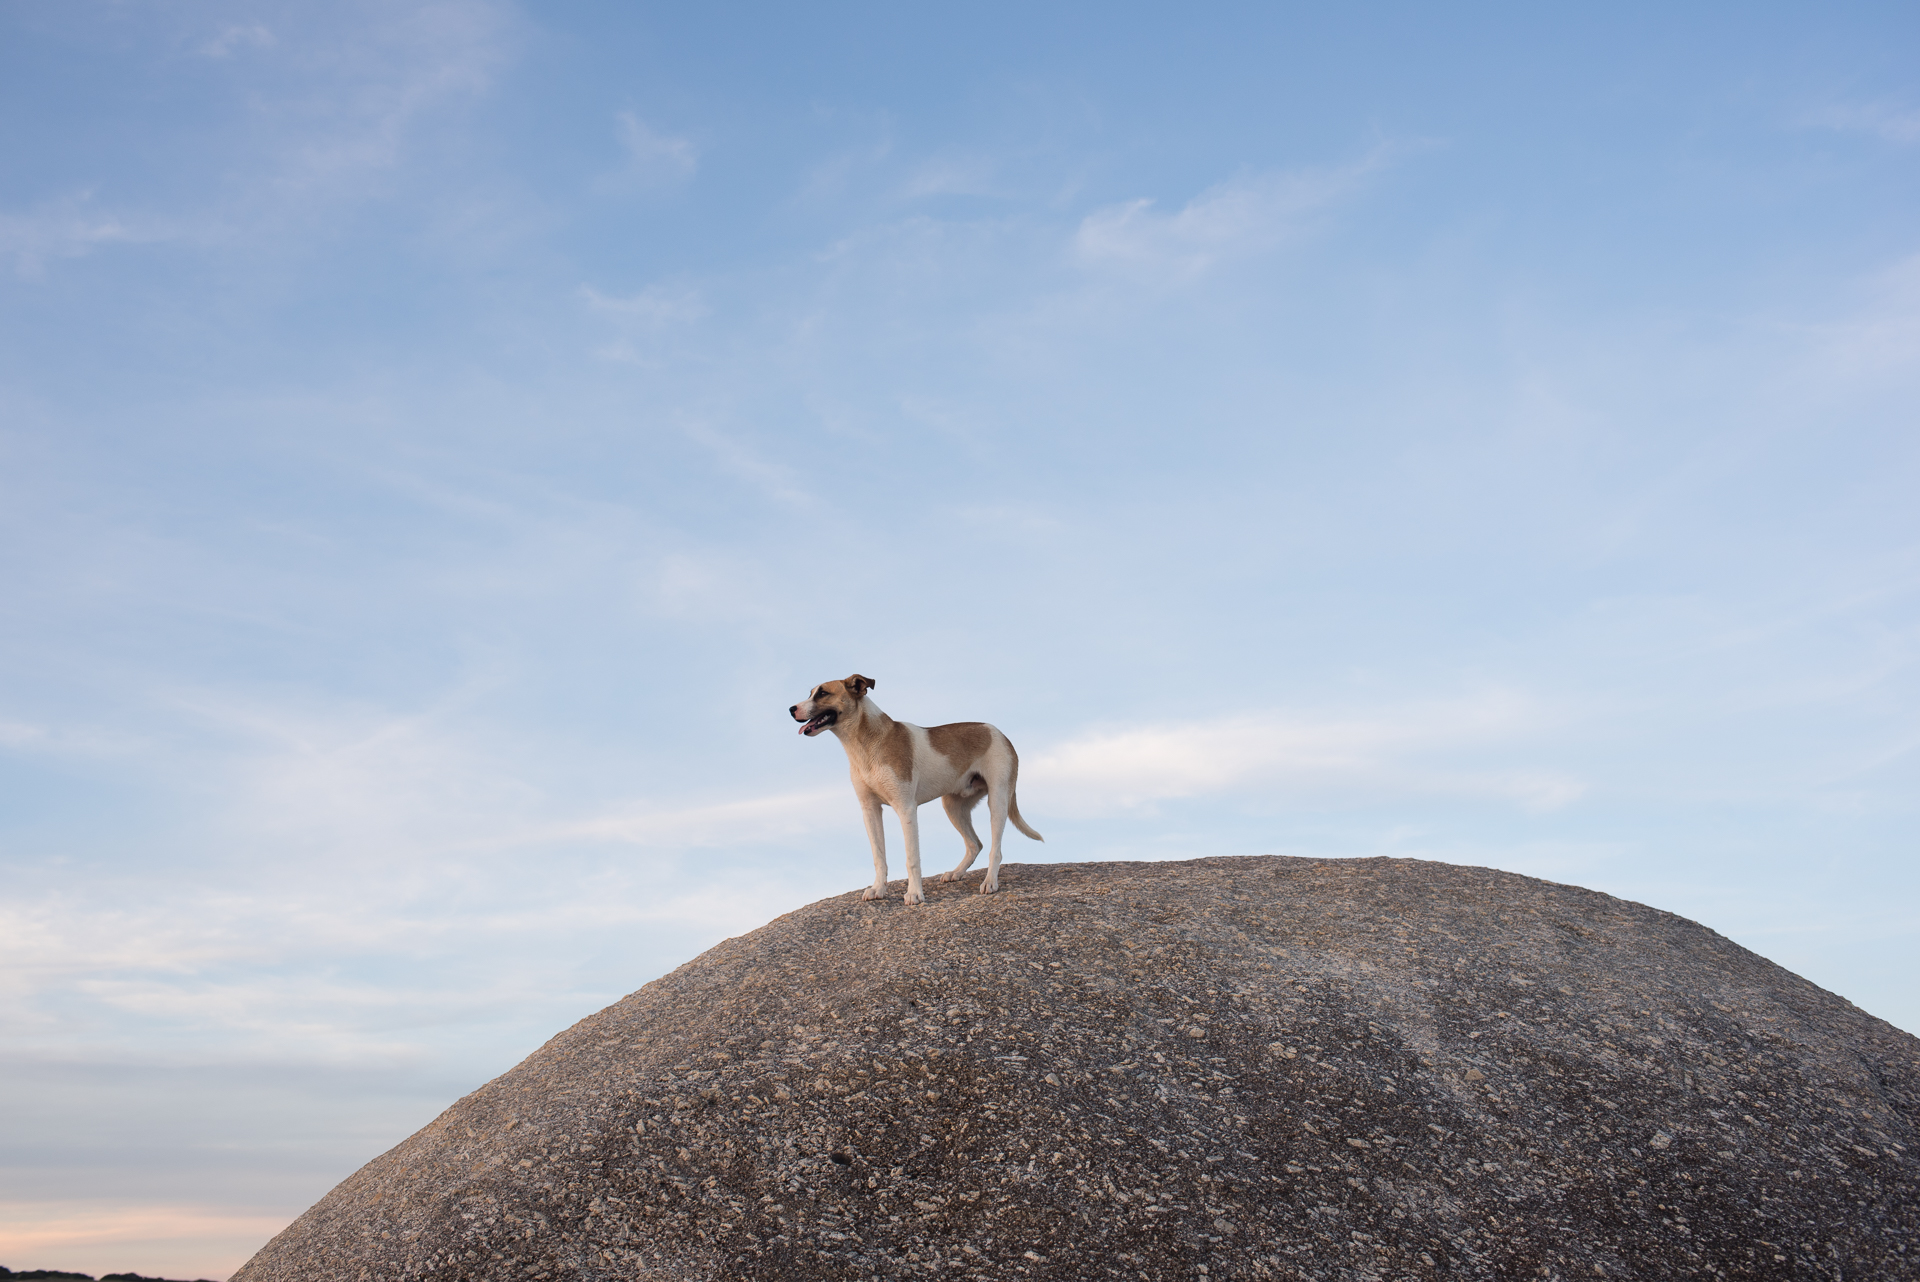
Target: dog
x: 905, y: 766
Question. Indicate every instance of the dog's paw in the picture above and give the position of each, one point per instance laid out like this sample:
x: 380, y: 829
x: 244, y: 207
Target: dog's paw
x: 874, y: 892
x: 947, y: 876
x: 913, y: 897
x: 989, y: 884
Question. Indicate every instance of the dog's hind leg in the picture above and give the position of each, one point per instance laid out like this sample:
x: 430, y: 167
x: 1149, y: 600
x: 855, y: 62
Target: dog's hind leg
x: 996, y: 824
x: 877, y: 838
x: 959, y: 808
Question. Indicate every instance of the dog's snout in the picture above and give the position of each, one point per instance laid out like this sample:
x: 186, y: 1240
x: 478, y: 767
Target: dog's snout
x: 794, y: 712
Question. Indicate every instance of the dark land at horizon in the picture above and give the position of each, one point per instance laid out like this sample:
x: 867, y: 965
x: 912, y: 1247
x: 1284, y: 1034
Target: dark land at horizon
x: 62, y: 1275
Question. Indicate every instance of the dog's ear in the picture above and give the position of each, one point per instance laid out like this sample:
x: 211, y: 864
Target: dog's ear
x: 860, y: 685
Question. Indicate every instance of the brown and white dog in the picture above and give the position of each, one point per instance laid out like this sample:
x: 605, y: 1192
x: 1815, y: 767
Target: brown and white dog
x: 905, y: 766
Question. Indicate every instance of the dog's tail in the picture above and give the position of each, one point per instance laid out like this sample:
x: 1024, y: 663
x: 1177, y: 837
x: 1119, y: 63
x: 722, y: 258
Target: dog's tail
x: 1013, y: 813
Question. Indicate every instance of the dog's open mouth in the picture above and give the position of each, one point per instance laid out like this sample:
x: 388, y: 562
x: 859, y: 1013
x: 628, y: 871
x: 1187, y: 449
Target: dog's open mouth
x: 820, y: 723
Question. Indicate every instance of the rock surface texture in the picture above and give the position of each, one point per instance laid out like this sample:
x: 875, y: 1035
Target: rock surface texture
x: 1224, y: 1068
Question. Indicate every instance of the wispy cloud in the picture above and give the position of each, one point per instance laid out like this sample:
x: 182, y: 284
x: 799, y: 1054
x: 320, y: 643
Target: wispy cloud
x: 294, y: 960
x: 953, y: 176
x: 71, y: 227
x: 296, y: 972
x: 742, y: 461
x: 708, y: 586
x: 65, y: 740
x: 1887, y: 121
x: 656, y: 306
x: 237, y: 37
x: 18, y: 734
x: 649, y: 322
x: 1383, y: 753
x: 338, y: 840
x: 747, y: 821
x: 365, y: 783
x: 1883, y: 334
x: 335, y: 104
x: 330, y: 111
x: 653, y: 157
x: 1243, y: 216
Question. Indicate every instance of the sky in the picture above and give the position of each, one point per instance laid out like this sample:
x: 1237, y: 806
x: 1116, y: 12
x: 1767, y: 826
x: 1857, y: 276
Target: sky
x: 440, y: 438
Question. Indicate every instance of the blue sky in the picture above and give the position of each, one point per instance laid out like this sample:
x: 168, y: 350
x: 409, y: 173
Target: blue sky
x: 439, y: 439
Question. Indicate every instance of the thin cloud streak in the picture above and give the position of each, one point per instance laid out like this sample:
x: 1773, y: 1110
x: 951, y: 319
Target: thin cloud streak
x: 1884, y: 120
x: 1237, y: 218
x: 1882, y: 336
x: 1377, y: 755
x: 358, y: 102
x: 69, y: 228
x: 299, y: 976
x: 237, y: 37
x: 751, y: 821
x: 653, y: 156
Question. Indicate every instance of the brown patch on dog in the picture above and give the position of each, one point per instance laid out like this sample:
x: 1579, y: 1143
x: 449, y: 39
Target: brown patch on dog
x: 895, y: 750
x: 961, y: 742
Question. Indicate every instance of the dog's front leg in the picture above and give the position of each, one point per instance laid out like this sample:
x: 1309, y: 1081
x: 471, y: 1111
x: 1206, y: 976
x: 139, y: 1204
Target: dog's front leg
x: 877, y: 838
x: 910, y: 833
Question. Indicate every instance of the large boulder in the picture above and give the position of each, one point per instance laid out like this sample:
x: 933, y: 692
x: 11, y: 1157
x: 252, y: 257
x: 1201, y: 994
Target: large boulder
x: 1230, y: 1068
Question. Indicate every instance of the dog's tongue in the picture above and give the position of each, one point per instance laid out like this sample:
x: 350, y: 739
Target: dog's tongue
x: 813, y: 725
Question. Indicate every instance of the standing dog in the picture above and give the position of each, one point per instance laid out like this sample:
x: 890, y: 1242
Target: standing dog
x: 904, y: 766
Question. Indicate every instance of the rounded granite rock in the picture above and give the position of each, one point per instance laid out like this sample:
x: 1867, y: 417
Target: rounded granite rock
x: 1220, y: 1068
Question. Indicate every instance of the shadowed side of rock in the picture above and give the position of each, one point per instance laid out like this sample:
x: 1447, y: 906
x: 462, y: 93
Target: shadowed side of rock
x: 1273, y: 1068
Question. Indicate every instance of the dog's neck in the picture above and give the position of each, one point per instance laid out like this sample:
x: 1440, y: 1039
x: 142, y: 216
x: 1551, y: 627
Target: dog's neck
x: 858, y: 734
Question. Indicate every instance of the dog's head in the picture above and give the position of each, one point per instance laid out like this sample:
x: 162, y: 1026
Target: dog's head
x: 829, y: 702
